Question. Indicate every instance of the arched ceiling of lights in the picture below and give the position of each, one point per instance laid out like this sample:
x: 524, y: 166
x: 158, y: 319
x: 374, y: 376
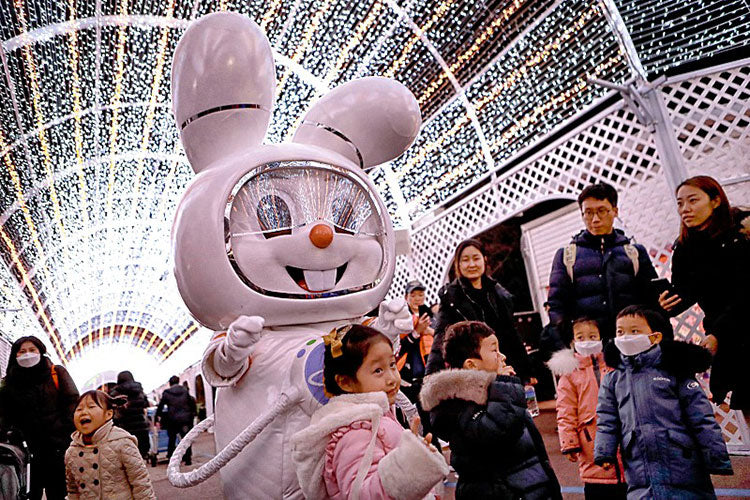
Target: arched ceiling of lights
x: 92, y: 167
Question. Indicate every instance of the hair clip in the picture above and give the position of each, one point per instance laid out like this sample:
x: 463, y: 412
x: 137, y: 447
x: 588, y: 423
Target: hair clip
x: 334, y: 339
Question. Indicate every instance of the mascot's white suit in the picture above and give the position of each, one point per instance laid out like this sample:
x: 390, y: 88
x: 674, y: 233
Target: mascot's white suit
x: 276, y: 245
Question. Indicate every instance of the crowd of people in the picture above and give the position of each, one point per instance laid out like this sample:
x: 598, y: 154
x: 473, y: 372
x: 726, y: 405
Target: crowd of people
x: 630, y: 410
x: 88, y: 446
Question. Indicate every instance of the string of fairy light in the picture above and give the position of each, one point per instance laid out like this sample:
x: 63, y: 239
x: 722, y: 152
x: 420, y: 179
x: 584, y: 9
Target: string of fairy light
x: 91, y: 142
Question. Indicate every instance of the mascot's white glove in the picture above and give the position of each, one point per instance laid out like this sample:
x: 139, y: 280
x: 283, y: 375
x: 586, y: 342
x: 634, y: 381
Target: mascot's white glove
x: 241, y: 336
x: 394, y: 319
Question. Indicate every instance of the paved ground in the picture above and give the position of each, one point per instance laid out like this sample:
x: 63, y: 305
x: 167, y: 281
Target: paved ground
x: 737, y: 486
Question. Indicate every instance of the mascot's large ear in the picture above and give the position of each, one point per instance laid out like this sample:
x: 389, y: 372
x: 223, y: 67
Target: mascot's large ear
x: 223, y: 83
x: 370, y: 121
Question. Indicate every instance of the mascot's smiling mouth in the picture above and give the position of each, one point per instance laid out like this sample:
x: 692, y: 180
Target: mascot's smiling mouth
x: 316, y: 281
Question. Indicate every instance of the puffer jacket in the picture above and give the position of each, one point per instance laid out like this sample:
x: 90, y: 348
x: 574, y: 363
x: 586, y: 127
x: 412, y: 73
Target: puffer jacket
x: 110, y: 468
x: 604, y: 282
x: 496, y: 449
x: 715, y: 272
x: 43, y: 412
x: 458, y: 302
x: 132, y: 416
x: 577, y: 394
x: 180, y: 407
x: 355, y: 448
x: 653, y: 407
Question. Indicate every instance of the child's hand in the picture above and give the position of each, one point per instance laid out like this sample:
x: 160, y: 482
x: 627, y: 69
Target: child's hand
x: 572, y: 456
x: 427, y: 440
x: 506, y: 370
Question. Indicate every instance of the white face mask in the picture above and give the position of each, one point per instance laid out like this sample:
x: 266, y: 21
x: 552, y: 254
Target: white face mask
x: 28, y: 359
x: 630, y: 345
x: 588, y: 347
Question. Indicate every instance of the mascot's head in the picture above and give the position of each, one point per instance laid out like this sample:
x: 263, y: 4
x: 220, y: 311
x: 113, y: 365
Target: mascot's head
x: 295, y: 233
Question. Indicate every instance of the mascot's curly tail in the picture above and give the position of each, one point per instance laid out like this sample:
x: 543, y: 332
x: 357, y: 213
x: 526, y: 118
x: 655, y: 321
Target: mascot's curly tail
x: 284, y: 402
x: 186, y: 479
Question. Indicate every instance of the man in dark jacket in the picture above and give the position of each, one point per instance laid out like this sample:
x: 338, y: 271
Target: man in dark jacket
x: 132, y: 416
x: 179, y: 415
x: 601, y: 271
x: 480, y: 408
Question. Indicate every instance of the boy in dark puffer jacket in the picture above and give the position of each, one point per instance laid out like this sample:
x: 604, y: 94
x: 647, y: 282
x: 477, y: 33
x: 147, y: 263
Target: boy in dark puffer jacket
x: 654, y: 409
x: 480, y: 408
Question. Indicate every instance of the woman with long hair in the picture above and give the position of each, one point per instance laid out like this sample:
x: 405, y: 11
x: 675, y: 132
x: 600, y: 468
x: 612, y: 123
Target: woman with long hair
x: 474, y: 296
x: 711, y: 266
x: 38, y: 398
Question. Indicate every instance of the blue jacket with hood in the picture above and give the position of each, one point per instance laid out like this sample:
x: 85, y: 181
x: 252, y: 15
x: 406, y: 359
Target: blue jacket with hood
x: 604, y: 281
x: 653, y: 407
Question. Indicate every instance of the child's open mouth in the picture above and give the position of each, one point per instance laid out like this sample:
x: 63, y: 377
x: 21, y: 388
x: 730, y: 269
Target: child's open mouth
x: 85, y: 420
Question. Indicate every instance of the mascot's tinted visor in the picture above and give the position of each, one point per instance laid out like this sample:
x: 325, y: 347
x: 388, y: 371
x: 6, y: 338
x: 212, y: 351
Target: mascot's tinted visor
x: 282, y: 202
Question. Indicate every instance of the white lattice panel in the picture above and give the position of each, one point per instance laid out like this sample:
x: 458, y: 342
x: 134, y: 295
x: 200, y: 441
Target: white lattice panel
x: 711, y: 119
x: 710, y: 112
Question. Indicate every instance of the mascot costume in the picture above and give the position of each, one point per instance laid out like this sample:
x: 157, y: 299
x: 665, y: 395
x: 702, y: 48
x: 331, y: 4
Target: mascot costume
x: 276, y: 245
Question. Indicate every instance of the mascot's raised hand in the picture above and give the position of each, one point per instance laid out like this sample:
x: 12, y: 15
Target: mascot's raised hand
x: 276, y: 245
x: 394, y: 319
x: 242, y: 335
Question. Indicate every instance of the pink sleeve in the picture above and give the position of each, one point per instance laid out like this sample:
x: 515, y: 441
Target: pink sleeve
x: 567, y: 415
x: 347, y: 456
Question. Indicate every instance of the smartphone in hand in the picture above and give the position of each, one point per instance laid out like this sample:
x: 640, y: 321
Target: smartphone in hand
x: 661, y: 285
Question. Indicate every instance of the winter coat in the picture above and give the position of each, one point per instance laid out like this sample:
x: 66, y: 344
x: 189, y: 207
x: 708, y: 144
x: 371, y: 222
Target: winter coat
x: 354, y: 448
x: 604, y: 281
x: 458, y: 302
x: 577, y: 394
x: 496, y: 449
x: 110, y: 468
x: 715, y: 272
x: 654, y: 409
x: 180, y: 407
x: 132, y: 416
x: 43, y: 412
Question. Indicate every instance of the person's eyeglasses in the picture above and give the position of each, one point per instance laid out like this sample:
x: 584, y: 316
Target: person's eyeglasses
x: 600, y: 212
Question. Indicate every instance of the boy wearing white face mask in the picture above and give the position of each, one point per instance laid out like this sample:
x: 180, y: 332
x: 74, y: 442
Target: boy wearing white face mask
x: 581, y: 369
x: 652, y: 407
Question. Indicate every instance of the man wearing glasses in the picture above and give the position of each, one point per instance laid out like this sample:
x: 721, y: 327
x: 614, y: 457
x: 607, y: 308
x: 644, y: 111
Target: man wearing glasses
x: 601, y: 271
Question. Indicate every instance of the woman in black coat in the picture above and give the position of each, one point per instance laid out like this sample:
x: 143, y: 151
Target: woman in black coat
x: 711, y: 266
x: 132, y: 416
x: 38, y: 398
x: 474, y: 296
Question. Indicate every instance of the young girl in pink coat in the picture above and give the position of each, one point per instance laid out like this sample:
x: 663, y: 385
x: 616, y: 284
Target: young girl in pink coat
x: 354, y: 448
x: 580, y: 370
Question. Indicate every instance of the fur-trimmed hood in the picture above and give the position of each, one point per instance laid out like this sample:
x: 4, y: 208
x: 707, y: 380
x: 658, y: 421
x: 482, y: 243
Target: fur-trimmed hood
x: 455, y: 383
x: 678, y: 358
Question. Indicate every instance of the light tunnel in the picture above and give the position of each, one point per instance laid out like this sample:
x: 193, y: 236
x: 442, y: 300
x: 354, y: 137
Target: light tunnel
x: 91, y: 166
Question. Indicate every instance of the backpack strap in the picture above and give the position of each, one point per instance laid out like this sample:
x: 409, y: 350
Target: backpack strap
x: 632, y: 252
x: 569, y: 258
x: 53, y: 371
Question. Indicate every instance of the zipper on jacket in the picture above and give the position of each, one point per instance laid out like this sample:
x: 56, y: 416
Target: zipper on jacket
x: 597, y: 373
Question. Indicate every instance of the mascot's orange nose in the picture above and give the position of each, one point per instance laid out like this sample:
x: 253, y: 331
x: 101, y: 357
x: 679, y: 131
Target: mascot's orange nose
x: 321, y: 235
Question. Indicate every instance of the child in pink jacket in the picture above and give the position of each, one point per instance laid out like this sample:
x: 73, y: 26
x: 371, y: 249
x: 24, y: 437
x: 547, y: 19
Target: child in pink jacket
x: 354, y: 448
x: 580, y: 370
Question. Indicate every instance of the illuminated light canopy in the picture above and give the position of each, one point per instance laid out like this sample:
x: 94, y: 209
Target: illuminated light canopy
x: 92, y: 168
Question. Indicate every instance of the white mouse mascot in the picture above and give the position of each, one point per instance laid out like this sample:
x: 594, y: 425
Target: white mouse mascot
x: 276, y: 245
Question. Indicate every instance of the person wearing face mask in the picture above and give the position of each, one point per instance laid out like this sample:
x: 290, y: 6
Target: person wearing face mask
x: 38, y: 398
x: 580, y: 370
x: 654, y: 409
x: 711, y: 266
x: 474, y: 296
